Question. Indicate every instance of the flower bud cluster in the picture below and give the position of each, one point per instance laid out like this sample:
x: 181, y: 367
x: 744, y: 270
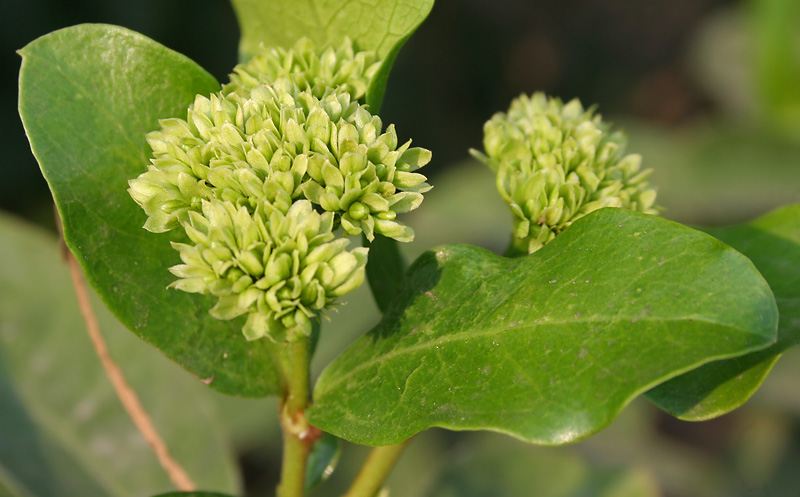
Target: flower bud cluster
x: 259, y: 176
x: 277, y: 266
x: 283, y: 145
x: 557, y: 162
x: 341, y: 67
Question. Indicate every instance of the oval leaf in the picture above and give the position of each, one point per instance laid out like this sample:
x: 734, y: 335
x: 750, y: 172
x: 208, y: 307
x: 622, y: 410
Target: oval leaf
x: 63, y: 430
x: 88, y: 95
x: 550, y: 347
x: 383, y: 26
x: 772, y: 242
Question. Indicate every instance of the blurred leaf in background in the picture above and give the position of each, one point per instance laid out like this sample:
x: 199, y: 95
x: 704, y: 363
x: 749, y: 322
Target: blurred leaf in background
x: 62, y: 429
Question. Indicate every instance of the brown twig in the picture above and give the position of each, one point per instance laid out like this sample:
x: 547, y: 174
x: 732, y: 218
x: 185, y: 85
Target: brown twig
x: 129, y: 399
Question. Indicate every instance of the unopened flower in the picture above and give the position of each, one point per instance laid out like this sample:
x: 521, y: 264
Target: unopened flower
x: 318, y: 70
x: 558, y: 162
x: 280, y: 144
x: 279, y: 267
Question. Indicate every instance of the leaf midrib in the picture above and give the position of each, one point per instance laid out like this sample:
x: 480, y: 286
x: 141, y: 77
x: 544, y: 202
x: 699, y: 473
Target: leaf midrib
x: 400, y: 351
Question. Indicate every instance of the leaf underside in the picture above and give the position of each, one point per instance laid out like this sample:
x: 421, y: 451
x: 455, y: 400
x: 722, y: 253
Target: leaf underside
x: 772, y: 242
x: 88, y: 96
x: 549, y: 347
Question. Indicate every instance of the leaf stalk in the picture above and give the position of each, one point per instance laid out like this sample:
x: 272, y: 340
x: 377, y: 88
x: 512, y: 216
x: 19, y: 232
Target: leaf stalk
x: 375, y: 470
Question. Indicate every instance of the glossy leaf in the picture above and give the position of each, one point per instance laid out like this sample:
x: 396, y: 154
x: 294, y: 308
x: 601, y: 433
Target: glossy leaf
x: 63, y: 430
x: 772, y: 242
x: 383, y: 26
x: 88, y: 95
x: 550, y: 347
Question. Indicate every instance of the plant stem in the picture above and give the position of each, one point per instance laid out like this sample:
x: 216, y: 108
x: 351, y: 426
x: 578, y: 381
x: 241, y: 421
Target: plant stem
x: 293, y: 471
x: 375, y: 470
x: 295, y: 365
x: 298, y: 435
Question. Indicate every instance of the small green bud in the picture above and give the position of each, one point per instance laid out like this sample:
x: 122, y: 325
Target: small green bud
x: 557, y: 162
x: 358, y: 211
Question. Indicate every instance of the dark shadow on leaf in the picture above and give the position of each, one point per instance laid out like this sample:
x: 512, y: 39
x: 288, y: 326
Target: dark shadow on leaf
x: 422, y: 276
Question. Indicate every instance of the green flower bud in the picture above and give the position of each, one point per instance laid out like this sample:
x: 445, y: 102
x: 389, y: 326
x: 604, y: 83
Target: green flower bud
x: 280, y: 268
x: 312, y: 69
x: 557, y: 162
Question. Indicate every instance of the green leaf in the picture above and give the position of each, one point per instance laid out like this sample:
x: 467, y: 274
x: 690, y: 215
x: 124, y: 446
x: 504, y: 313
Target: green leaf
x: 385, y: 269
x: 322, y: 461
x: 383, y: 26
x: 63, y: 430
x: 772, y: 242
x: 549, y: 347
x: 88, y: 95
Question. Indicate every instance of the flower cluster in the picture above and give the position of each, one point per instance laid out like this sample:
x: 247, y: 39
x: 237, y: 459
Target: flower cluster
x: 282, y: 146
x: 342, y: 68
x: 557, y: 162
x: 278, y: 266
x: 260, y: 174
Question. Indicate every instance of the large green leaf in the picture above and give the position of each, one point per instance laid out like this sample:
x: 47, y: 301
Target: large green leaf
x: 62, y: 429
x: 382, y: 25
x: 88, y: 95
x: 549, y: 347
x: 772, y: 242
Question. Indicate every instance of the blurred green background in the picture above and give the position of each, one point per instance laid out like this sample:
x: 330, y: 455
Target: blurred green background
x: 708, y: 92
